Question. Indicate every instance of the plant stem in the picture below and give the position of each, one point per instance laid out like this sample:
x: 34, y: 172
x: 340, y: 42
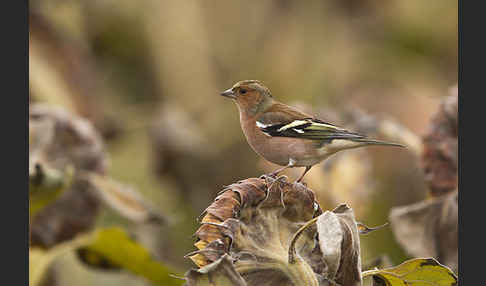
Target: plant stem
x: 297, y: 234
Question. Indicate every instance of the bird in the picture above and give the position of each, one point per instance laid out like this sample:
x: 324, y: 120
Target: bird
x: 286, y: 136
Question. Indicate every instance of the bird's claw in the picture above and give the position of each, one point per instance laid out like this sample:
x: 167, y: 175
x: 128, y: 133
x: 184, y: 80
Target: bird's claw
x: 270, y: 179
x: 269, y: 182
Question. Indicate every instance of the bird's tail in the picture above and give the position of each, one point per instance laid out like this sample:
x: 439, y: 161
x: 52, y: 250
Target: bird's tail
x: 366, y: 141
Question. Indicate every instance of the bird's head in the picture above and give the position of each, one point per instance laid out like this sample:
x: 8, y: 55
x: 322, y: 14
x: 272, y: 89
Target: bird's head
x: 251, y: 96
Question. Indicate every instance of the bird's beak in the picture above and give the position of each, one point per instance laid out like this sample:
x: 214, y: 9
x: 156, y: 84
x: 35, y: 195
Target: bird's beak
x: 229, y: 93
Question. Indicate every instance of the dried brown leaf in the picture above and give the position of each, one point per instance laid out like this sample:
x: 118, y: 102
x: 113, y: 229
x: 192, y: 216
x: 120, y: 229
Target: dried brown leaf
x: 339, y: 243
x: 429, y: 228
x: 439, y: 159
x: 364, y: 229
x: 331, y: 237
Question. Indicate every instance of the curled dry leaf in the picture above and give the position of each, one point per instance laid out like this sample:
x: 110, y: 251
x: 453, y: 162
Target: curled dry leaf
x: 339, y: 243
x: 253, y: 223
x: 338, y: 239
x: 220, y: 272
x: 429, y: 228
x: 126, y: 201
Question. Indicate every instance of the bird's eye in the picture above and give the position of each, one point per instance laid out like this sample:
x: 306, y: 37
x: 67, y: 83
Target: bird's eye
x: 242, y: 91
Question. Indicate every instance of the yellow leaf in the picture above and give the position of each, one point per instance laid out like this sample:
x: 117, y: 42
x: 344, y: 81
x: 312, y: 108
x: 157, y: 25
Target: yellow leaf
x: 112, y: 244
x: 415, y: 272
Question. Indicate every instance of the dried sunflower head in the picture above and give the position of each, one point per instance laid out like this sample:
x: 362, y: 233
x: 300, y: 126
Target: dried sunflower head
x: 249, y: 233
x: 63, y: 145
x: 59, y: 141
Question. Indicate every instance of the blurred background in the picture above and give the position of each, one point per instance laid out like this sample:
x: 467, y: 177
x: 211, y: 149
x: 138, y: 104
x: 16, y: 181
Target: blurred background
x: 147, y: 75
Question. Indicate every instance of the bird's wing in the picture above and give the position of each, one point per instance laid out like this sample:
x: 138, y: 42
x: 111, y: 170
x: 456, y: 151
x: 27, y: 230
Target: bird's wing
x: 286, y: 121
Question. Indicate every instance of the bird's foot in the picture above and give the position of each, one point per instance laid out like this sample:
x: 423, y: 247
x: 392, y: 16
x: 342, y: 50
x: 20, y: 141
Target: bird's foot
x: 299, y: 180
x: 271, y: 178
x: 270, y: 182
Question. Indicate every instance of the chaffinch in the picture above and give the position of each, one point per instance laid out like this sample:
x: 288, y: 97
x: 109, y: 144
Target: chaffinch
x: 286, y: 136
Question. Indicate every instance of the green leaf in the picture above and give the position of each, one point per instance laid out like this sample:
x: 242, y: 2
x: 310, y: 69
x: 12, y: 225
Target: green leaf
x: 415, y: 272
x: 117, y: 247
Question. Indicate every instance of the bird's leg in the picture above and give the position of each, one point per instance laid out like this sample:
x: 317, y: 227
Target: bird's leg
x: 291, y: 164
x: 276, y: 172
x: 307, y: 168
